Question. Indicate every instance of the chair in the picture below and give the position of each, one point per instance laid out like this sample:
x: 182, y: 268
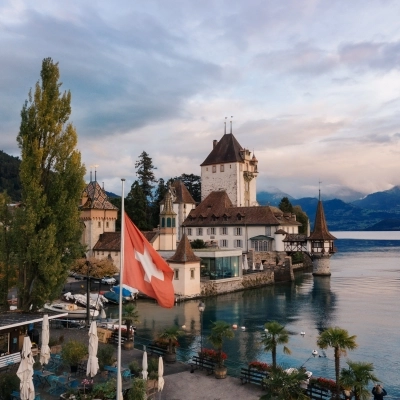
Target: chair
x: 54, y: 387
x: 126, y: 375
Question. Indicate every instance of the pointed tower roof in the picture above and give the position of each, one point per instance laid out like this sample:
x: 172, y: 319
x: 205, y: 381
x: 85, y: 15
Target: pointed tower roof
x: 320, y: 231
x: 225, y: 151
x: 96, y: 198
x: 168, y: 207
x: 184, y: 252
x: 181, y: 193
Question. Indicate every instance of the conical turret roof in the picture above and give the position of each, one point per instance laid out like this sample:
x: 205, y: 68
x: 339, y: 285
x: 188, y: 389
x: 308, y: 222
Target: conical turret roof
x: 227, y: 150
x: 320, y: 231
x: 184, y: 252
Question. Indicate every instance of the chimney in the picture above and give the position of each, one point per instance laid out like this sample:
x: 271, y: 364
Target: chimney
x: 215, y: 142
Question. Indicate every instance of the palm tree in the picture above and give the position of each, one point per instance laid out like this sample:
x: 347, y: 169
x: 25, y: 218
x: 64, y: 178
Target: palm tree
x: 340, y: 341
x: 131, y: 316
x: 274, y: 335
x: 282, y: 385
x: 358, y: 376
x: 220, y: 331
x: 171, y: 334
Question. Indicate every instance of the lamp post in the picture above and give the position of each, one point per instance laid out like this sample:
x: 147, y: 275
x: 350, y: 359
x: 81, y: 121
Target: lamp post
x: 87, y: 293
x: 201, y: 308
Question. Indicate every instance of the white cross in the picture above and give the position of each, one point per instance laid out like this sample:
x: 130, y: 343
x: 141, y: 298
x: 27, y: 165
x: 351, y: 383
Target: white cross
x: 148, y: 265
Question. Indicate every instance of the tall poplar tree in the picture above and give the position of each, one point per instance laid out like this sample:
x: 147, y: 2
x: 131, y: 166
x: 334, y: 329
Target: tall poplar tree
x: 47, y: 227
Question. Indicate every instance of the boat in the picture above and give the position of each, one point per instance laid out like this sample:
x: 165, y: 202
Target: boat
x: 112, y: 297
x: 73, y: 310
x: 97, y: 301
x: 128, y: 292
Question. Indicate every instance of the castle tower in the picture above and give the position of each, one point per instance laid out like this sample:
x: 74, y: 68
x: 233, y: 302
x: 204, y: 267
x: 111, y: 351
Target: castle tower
x: 168, y: 224
x: 97, y: 214
x: 230, y: 167
x: 186, y: 267
x: 321, y: 244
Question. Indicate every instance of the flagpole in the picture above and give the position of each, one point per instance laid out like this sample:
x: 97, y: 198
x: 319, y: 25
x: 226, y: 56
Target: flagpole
x: 121, y: 271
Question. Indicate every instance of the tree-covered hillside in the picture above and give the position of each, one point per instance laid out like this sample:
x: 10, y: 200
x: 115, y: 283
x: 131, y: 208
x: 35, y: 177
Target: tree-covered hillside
x: 9, y: 176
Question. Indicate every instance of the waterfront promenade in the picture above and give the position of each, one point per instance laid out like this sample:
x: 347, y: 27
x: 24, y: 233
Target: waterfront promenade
x: 180, y: 383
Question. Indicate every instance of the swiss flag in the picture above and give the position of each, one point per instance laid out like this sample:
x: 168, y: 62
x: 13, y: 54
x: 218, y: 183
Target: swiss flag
x: 144, y: 269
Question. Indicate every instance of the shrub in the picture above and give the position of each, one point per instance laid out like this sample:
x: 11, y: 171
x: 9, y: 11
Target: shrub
x: 260, y: 366
x: 8, y: 383
x: 105, y: 390
x: 138, y: 391
x: 134, y: 367
x: 105, y: 355
x: 73, y: 352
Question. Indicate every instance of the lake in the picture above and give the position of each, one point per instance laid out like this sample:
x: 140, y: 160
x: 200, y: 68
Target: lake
x: 362, y: 296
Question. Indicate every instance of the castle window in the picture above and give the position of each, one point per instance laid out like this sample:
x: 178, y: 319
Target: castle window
x: 221, y: 168
x: 107, y: 224
x: 199, y: 231
x: 223, y: 243
x: 223, y: 231
x: 98, y: 253
x: 191, y: 273
x: 162, y: 222
x: 238, y: 231
x: 239, y: 217
x: 238, y: 244
x: 176, y: 274
x: 169, y: 223
x: 189, y: 231
x: 99, y: 224
x: 225, y: 217
x: 214, y: 168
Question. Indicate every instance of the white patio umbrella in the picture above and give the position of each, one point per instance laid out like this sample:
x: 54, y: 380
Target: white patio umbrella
x: 160, y: 374
x: 45, y: 349
x: 261, y: 267
x: 93, y: 362
x: 245, y: 263
x: 144, y: 366
x: 254, y: 266
x: 25, y: 371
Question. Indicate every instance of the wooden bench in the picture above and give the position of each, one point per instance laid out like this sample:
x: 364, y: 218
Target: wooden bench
x: 153, y: 349
x: 317, y: 393
x: 203, y: 363
x: 10, y: 359
x: 251, y: 375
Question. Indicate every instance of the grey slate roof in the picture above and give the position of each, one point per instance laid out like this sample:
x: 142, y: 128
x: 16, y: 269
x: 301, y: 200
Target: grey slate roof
x: 227, y: 150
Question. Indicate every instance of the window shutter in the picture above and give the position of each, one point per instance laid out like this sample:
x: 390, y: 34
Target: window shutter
x: 208, y: 231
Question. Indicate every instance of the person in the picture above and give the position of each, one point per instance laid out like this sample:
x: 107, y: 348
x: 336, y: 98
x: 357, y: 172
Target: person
x: 378, y: 391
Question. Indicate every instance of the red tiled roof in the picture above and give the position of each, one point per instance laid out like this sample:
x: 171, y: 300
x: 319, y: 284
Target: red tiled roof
x: 184, y: 252
x: 217, y: 210
x: 227, y: 150
x: 150, y: 235
x: 97, y: 198
x: 109, y: 241
x: 320, y: 231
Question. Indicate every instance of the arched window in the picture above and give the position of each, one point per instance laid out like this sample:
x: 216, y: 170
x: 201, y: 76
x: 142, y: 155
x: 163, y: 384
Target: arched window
x: 162, y: 222
x: 168, y: 222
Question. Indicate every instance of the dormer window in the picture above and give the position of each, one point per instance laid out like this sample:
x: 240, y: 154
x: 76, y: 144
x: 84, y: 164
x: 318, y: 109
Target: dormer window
x: 225, y: 217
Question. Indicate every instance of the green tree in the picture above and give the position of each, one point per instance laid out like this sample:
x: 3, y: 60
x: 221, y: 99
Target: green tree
x: 159, y: 195
x: 275, y: 334
x: 136, y: 206
x: 47, y: 227
x: 357, y: 378
x: 7, y: 266
x: 301, y: 217
x: 171, y: 334
x: 340, y: 341
x: 198, y: 244
x: 144, y: 171
x: 220, y: 331
x: 131, y: 316
x: 285, y: 205
x: 193, y: 185
x: 285, y: 386
x: 94, y: 267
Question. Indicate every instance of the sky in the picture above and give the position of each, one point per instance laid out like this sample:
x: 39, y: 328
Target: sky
x: 312, y: 87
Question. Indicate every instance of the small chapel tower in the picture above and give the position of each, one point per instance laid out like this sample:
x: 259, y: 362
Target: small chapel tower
x: 232, y: 168
x: 321, y: 244
x: 186, y: 267
x: 168, y: 224
x: 97, y: 214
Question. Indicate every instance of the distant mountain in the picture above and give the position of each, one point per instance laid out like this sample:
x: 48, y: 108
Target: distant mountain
x: 111, y: 195
x: 341, y: 192
x: 9, y: 176
x: 272, y: 196
x: 388, y: 200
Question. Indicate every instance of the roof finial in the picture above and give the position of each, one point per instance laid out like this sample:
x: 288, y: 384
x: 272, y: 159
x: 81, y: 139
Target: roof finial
x: 95, y: 171
x: 319, y: 191
x: 91, y: 173
x: 231, y: 123
x: 225, y: 126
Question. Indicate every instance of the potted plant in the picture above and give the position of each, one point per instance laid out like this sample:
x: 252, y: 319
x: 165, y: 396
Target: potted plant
x: 170, y: 335
x: 105, y: 355
x: 73, y: 352
x: 131, y: 316
x: 220, y: 331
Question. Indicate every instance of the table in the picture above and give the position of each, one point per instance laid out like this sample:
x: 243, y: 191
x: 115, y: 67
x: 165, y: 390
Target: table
x: 43, y: 376
x: 64, y: 383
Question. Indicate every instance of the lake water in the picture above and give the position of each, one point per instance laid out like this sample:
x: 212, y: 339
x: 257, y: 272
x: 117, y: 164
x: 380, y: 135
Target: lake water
x: 362, y: 296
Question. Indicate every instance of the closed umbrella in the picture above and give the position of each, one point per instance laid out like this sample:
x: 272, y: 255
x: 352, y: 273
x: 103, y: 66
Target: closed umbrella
x: 160, y: 374
x: 93, y: 362
x: 45, y: 349
x: 144, y: 366
x: 254, y: 266
x: 25, y: 371
x: 103, y: 314
x: 245, y: 263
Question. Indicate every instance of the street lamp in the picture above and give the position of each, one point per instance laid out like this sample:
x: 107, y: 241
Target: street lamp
x: 88, y: 265
x: 201, y: 308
